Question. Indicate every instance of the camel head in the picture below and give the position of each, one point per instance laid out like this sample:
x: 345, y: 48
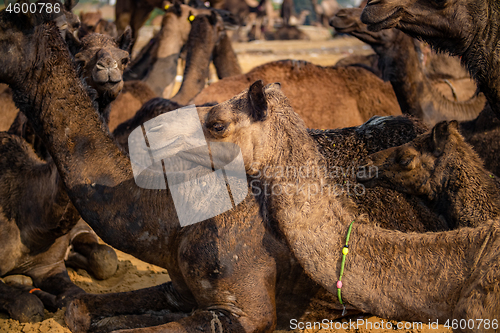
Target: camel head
x: 415, y: 168
x: 448, y: 25
x: 19, y: 43
x: 102, y: 60
x: 252, y: 120
x: 348, y: 21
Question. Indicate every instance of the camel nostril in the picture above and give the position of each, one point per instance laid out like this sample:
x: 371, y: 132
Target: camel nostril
x: 125, y: 61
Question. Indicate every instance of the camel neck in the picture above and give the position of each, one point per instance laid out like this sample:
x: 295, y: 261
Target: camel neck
x: 416, y: 95
x: 482, y: 57
x: 400, y: 64
x: 98, y: 177
x: 396, y: 268
x: 200, y: 44
x: 224, y: 58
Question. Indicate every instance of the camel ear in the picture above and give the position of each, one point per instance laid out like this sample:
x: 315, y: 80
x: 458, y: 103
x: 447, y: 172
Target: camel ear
x: 74, y: 44
x: 440, y: 135
x: 257, y: 101
x: 125, y: 40
x: 212, y: 18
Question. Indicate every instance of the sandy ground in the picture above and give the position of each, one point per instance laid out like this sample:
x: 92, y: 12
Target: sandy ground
x: 135, y: 274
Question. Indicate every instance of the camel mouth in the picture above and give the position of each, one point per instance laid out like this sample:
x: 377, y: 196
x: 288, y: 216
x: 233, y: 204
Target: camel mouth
x: 341, y: 25
x: 377, y: 18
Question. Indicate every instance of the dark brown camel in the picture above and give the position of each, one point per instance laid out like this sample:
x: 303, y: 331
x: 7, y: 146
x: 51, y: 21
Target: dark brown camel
x: 134, y: 13
x: 464, y: 28
x: 340, y: 97
x: 156, y: 64
x: 209, y: 262
x: 206, y: 32
x: 444, y: 170
x: 39, y: 224
x: 92, y: 22
x: 413, y: 277
x: 102, y: 60
x: 400, y: 64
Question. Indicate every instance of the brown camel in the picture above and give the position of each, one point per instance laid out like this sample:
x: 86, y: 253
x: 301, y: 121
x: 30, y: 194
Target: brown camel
x: 286, y: 32
x: 92, y: 22
x: 463, y: 28
x: 400, y: 64
x: 205, y: 33
x: 156, y: 64
x: 134, y: 13
x: 444, y: 170
x: 414, y: 277
x: 340, y: 97
x: 209, y: 262
x: 38, y: 224
x: 134, y: 94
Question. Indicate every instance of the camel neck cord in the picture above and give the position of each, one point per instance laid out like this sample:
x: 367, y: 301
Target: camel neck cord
x: 345, y: 251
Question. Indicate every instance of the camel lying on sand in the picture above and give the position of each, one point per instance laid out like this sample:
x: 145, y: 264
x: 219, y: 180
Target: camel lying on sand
x: 445, y: 171
x: 435, y: 276
x: 254, y: 283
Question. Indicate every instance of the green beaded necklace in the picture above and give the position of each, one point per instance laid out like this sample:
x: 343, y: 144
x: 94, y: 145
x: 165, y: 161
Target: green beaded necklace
x: 345, y: 251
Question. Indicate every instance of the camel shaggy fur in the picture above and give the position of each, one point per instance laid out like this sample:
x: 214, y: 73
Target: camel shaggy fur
x: 218, y: 253
x: 399, y: 60
x: 463, y: 28
x: 433, y: 276
x: 444, y: 170
x: 340, y: 98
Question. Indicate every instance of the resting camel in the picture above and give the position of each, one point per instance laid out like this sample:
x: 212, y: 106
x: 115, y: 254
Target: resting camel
x: 92, y: 22
x: 400, y: 64
x: 38, y: 224
x: 206, y: 32
x: 156, y: 64
x: 458, y: 27
x: 340, y: 97
x: 465, y: 34
x: 442, y: 168
x: 414, y: 277
x: 234, y: 269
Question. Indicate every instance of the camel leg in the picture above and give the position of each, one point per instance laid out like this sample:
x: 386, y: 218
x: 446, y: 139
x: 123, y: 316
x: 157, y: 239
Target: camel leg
x: 86, y: 312
x: 213, y: 321
x: 50, y: 275
x: 20, y: 304
x: 87, y: 253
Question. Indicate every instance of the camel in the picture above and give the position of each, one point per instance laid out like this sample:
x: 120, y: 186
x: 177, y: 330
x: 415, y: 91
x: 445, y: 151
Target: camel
x: 340, y: 100
x: 205, y: 33
x: 156, y: 64
x: 225, y: 59
x: 92, y: 22
x: 415, y: 277
x: 286, y: 32
x: 39, y: 224
x: 442, y: 168
x: 134, y: 94
x: 208, y: 262
x: 455, y: 27
x: 400, y: 64
x: 134, y: 13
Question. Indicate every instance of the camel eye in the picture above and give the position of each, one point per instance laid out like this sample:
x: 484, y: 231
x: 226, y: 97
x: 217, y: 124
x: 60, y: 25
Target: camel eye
x: 219, y: 127
x: 405, y: 161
